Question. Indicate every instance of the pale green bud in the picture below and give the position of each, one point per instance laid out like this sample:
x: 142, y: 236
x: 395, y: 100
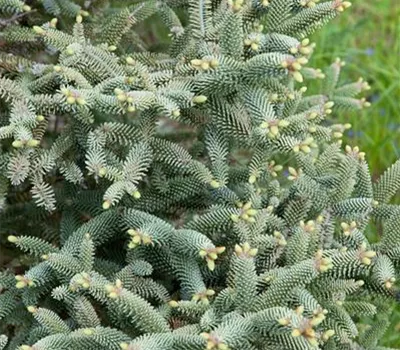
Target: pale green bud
x: 32, y: 143
x: 12, y: 239
x: 38, y: 30
x: 199, y: 99
x: 17, y: 144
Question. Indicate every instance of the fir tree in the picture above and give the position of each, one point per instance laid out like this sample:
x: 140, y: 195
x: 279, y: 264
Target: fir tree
x: 147, y: 193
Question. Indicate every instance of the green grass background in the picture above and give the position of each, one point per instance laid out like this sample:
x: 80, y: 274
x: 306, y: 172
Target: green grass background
x: 367, y: 37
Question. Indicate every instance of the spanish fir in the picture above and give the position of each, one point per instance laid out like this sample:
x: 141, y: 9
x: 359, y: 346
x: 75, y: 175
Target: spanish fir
x: 185, y: 192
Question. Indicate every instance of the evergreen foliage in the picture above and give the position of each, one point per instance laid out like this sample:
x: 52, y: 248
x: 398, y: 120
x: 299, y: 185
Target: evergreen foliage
x: 146, y: 191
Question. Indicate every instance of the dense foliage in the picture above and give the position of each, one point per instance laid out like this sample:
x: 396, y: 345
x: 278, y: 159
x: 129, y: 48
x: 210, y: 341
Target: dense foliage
x: 148, y: 193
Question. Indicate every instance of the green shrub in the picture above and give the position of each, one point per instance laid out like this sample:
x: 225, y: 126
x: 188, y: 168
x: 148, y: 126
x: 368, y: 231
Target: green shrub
x: 147, y: 190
